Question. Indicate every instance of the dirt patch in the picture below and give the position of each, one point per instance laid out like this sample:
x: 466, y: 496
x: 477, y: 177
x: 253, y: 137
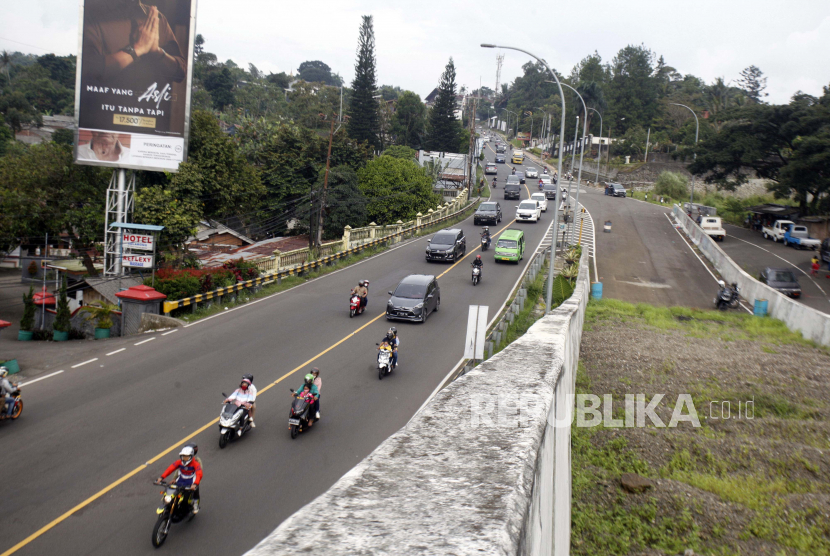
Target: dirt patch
x: 753, y: 478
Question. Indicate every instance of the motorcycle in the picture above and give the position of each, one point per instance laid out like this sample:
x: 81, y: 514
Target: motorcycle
x: 727, y: 297
x: 485, y: 243
x: 495, y: 183
x: 17, y: 409
x: 299, y: 415
x: 476, y: 275
x: 175, y: 507
x: 234, y: 421
x: 384, y: 363
x: 354, y: 305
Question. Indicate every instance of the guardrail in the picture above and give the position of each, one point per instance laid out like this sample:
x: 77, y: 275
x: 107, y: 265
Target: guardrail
x: 307, y: 266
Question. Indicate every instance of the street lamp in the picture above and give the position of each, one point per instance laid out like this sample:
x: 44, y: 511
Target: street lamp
x: 697, y: 132
x: 516, y: 124
x: 559, y: 172
x: 599, y: 149
x: 582, y: 148
x: 544, y: 129
x: 530, y: 143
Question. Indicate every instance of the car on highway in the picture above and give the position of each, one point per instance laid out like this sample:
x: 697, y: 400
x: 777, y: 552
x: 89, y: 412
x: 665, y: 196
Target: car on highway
x: 615, y: 190
x: 487, y: 213
x: 414, y: 299
x: 549, y: 189
x: 545, y: 180
x: 528, y: 211
x: 512, y: 190
x: 500, y: 159
x: 713, y: 227
x: 782, y: 280
x: 491, y: 168
x: 518, y: 157
x: 521, y: 176
x: 500, y: 148
x: 447, y: 245
x: 510, y: 246
x: 531, y: 172
x: 542, y: 200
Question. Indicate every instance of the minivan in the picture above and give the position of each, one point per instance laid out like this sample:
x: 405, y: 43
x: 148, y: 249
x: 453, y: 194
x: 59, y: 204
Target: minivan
x: 510, y: 246
x: 414, y: 299
x: 518, y: 157
x: 447, y: 245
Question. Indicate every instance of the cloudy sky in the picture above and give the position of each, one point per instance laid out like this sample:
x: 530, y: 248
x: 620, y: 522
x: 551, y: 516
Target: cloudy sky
x: 789, y: 41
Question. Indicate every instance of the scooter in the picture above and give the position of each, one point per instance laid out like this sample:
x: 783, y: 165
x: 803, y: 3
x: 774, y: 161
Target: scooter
x: 354, y: 305
x: 485, y: 243
x: 299, y: 415
x: 476, y: 275
x: 175, y: 507
x: 727, y: 297
x: 495, y: 183
x: 384, y: 363
x: 16, y: 410
x: 234, y: 421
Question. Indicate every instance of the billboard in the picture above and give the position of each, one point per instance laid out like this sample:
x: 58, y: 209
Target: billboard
x: 132, y: 89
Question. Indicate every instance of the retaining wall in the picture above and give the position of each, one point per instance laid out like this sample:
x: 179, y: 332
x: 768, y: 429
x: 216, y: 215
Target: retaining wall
x: 812, y: 324
x: 481, y: 469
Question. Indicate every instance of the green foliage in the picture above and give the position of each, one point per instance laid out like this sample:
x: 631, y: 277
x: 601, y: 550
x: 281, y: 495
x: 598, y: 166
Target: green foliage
x: 317, y: 72
x: 401, y: 151
x: 562, y: 289
x: 364, y: 122
x: 396, y: 189
x: 100, y: 312
x: 345, y: 203
x: 178, y: 284
x: 672, y: 184
x: 409, y: 121
x: 220, y: 83
x: 27, y: 323
x: 62, y: 315
x: 63, y: 137
x: 444, y: 130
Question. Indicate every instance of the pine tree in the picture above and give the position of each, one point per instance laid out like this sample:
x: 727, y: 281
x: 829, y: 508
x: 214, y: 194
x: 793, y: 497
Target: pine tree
x: 444, y: 128
x: 62, y: 315
x: 753, y: 82
x: 364, y: 120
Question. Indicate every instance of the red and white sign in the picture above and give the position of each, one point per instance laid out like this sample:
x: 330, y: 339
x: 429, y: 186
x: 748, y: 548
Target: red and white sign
x: 137, y: 241
x: 137, y: 261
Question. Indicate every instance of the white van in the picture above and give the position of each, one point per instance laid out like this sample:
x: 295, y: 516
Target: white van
x: 713, y: 227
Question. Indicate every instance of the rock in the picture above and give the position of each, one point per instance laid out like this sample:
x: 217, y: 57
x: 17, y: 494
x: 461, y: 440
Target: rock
x: 634, y: 483
x: 689, y: 552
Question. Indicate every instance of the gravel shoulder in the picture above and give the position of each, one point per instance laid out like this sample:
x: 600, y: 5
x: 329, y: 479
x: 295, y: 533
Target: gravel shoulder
x: 752, y: 478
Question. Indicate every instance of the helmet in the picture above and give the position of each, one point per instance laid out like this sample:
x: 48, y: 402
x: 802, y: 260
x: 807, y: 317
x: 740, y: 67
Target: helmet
x: 309, y: 379
x: 245, y: 384
x: 249, y: 377
x: 365, y: 282
x: 3, y: 372
x: 187, y: 454
x: 315, y: 370
x: 721, y: 283
x: 478, y: 257
x: 486, y: 228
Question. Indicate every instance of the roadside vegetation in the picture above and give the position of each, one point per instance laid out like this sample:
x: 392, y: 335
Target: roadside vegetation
x: 752, y: 479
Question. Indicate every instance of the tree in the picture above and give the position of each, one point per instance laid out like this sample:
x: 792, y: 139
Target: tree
x: 63, y: 137
x: 317, y: 72
x: 672, y: 184
x: 220, y: 84
x: 27, y: 323
x: 163, y: 206
x: 753, y: 83
x: 632, y: 90
x: 198, y: 45
x: 444, y: 128
x: 61, y: 69
x: 364, y: 124
x: 401, y: 151
x: 62, y: 316
x: 345, y: 204
x: 409, y: 121
x: 281, y: 79
x: 397, y: 189
x: 6, y: 62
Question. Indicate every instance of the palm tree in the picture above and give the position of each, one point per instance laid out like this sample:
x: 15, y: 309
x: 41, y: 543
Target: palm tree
x: 6, y: 62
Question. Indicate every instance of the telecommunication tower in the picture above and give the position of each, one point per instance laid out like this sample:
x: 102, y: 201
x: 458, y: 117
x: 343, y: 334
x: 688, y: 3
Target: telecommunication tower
x: 499, y: 60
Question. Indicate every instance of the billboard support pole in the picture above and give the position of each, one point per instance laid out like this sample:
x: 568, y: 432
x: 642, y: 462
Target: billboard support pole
x: 120, y: 201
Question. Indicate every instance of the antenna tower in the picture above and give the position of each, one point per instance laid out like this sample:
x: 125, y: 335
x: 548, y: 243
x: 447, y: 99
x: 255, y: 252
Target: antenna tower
x: 499, y: 60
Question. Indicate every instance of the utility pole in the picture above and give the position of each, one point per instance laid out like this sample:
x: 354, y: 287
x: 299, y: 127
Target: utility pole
x: 471, y: 152
x: 325, y: 186
x: 648, y: 136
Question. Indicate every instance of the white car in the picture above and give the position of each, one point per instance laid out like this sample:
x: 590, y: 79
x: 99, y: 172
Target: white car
x: 531, y: 172
x: 528, y: 211
x: 541, y: 200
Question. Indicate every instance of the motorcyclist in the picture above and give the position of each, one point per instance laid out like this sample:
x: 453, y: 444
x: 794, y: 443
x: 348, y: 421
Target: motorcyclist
x: 252, y: 389
x: 363, y: 292
x: 513, y: 172
x: 477, y: 262
x: 7, y: 388
x: 545, y: 170
x: 495, y: 183
x: 394, y: 342
x: 246, y: 396
x: 485, y: 233
x: 190, y: 473
x: 309, y: 380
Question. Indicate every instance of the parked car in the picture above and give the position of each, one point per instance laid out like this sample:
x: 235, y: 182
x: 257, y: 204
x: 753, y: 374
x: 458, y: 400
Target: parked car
x: 521, y: 176
x: 487, y: 213
x: 615, y: 190
x: 491, y: 168
x: 512, y: 191
x: 781, y: 279
x: 531, y: 172
x: 541, y: 199
x: 510, y: 246
x: 528, y: 211
x: 824, y: 251
x: 799, y: 237
x: 415, y: 298
x: 777, y: 230
x: 447, y: 245
x: 500, y: 159
x: 712, y: 227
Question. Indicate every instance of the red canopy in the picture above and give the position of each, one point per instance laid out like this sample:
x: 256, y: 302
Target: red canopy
x: 141, y: 293
x: 43, y: 297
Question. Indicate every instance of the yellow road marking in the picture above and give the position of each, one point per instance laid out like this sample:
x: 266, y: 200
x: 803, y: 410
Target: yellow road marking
x: 140, y: 468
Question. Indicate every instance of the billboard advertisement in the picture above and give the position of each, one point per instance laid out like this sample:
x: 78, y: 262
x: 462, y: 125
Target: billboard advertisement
x: 132, y: 92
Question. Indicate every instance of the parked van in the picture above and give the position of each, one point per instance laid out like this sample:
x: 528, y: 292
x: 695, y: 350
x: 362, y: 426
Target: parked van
x: 510, y: 246
x: 518, y: 157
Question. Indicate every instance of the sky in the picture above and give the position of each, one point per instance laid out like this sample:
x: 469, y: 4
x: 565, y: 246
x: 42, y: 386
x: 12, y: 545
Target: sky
x: 788, y: 41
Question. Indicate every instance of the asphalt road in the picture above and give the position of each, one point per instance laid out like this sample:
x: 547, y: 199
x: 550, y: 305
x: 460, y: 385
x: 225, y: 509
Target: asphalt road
x: 81, y: 459
x: 753, y: 253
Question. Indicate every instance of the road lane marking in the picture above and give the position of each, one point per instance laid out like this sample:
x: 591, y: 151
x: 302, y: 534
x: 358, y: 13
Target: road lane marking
x: 174, y: 330
x: 21, y: 385
x: 116, y: 351
x: 145, y: 341
x: 84, y: 363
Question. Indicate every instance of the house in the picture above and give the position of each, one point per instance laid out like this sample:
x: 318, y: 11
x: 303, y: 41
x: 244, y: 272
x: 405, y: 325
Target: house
x: 430, y: 98
x: 453, y: 168
x: 212, y: 236
x: 90, y: 290
x: 33, y: 135
x: 258, y: 250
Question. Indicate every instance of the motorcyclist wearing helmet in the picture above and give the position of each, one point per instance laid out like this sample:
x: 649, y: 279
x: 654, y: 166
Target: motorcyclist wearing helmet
x: 485, y: 233
x: 495, y: 182
x: 477, y: 262
x: 190, y: 473
x: 362, y: 290
x: 252, y: 390
x: 393, y: 341
x: 7, y: 388
x: 246, y: 396
x: 514, y: 171
x: 309, y: 381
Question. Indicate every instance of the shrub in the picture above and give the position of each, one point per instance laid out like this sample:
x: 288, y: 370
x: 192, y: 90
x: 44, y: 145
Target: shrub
x: 27, y: 323
x: 243, y: 270
x: 672, y: 184
x: 181, y: 283
x: 62, y: 317
x: 32, y: 268
x: 101, y: 313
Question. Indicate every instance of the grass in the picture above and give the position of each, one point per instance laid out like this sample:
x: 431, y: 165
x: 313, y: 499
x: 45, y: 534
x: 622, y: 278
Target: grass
x: 525, y: 318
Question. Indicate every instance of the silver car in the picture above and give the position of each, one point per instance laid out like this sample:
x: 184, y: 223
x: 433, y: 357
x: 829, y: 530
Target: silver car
x: 531, y: 172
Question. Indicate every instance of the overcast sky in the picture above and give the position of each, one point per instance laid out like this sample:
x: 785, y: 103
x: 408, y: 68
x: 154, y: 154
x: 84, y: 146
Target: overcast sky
x: 789, y: 41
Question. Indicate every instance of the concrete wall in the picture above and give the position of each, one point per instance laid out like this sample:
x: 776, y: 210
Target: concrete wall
x: 812, y: 324
x: 481, y: 469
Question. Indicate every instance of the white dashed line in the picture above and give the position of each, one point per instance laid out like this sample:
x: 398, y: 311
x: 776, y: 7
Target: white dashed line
x: 116, y: 351
x: 84, y: 363
x: 38, y: 379
x: 145, y: 341
x: 166, y: 333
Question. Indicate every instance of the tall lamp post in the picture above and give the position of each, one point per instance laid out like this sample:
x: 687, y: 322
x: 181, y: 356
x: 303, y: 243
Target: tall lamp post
x: 516, y: 123
x: 582, y: 148
x: 599, y: 149
x: 697, y: 133
x: 508, y: 117
x: 545, y: 131
x: 559, y: 173
x: 530, y: 143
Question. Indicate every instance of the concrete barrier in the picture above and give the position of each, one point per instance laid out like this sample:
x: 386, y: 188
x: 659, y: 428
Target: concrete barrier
x: 812, y: 324
x: 483, y: 468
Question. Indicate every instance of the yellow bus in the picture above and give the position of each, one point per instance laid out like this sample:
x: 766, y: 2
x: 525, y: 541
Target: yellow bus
x: 518, y: 157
